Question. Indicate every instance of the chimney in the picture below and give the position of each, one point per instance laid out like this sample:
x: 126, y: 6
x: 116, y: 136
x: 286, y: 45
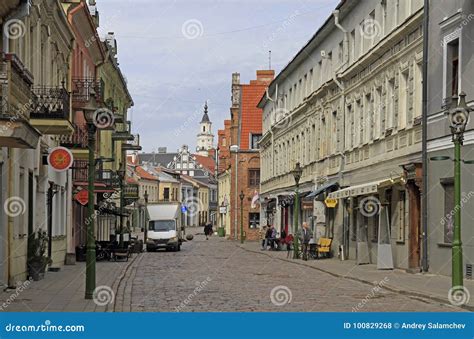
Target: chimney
x: 235, y: 78
x: 265, y: 75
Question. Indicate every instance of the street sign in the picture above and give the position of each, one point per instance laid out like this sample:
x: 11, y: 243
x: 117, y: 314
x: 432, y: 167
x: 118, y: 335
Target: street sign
x: 184, y: 209
x: 82, y: 197
x: 330, y: 202
x: 223, y: 209
x: 60, y: 159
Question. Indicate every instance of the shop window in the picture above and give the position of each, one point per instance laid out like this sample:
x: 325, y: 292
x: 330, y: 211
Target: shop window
x: 254, y: 177
x: 254, y: 220
x: 449, y: 209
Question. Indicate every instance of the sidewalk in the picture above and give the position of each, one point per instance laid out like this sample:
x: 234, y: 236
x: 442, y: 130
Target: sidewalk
x: 63, y: 291
x: 430, y: 286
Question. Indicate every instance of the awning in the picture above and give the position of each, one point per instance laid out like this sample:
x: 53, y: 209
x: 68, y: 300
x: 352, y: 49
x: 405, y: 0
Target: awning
x: 322, y: 189
x: 362, y: 189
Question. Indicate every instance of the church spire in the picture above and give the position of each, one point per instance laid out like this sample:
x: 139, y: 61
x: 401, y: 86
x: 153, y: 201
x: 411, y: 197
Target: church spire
x: 205, y: 117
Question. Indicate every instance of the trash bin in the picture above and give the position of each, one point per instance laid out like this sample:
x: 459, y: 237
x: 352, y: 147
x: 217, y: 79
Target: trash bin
x: 221, y: 232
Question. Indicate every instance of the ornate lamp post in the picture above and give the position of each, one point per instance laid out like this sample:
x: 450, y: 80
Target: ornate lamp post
x: 96, y: 118
x: 241, y: 196
x: 145, y: 229
x: 121, y: 175
x: 458, y: 115
x: 297, y: 172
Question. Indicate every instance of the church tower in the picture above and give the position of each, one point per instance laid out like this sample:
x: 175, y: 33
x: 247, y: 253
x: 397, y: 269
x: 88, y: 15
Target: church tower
x: 205, y: 138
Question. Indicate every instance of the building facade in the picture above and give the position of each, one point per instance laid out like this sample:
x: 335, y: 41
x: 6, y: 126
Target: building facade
x: 450, y: 57
x: 239, y: 156
x: 347, y: 108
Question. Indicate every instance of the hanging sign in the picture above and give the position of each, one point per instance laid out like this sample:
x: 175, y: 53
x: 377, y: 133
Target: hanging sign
x: 82, y: 197
x: 60, y: 159
x: 330, y: 202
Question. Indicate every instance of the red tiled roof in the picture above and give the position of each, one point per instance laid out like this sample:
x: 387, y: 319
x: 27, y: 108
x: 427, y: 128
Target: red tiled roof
x: 144, y: 174
x: 206, y: 162
x: 251, y: 114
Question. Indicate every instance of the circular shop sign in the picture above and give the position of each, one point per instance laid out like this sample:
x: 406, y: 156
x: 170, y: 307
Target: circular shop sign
x: 60, y: 159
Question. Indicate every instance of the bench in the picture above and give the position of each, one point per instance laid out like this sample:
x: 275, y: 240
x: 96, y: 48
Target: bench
x: 323, y: 247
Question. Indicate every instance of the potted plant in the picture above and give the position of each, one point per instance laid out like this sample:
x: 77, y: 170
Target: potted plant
x: 37, y: 261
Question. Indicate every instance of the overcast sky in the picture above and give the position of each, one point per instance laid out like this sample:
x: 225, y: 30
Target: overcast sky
x: 178, y: 54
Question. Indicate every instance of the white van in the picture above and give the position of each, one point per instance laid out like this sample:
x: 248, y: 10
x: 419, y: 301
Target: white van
x: 164, y: 227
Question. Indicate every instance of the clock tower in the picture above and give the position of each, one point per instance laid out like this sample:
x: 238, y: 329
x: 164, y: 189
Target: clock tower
x: 205, y: 138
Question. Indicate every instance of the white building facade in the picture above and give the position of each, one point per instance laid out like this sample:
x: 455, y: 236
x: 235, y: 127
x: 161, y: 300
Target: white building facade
x: 348, y: 109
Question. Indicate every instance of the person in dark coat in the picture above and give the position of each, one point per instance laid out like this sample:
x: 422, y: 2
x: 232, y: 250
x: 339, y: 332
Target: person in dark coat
x: 208, y: 230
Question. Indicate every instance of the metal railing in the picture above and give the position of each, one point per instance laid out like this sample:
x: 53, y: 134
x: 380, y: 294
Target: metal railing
x: 78, y: 139
x: 84, y: 88
x: 50, y: 103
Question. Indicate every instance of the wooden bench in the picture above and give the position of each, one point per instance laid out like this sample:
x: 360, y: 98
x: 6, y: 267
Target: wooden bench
x: 323, y: 247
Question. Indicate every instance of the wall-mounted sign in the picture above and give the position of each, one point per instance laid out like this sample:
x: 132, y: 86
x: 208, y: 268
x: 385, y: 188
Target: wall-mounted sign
x: 60, y: 159
x: 82, y: 197
x: 223, y: 209
x: 330, y: 202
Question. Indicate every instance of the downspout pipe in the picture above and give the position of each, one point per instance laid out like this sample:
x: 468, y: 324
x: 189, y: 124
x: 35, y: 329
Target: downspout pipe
x: 424, y: 142
x: 345, y: 41
x: 22, y: 11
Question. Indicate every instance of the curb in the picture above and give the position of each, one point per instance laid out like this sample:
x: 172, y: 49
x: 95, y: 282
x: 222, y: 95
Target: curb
x: 119, y: 280
x: 412, y: 294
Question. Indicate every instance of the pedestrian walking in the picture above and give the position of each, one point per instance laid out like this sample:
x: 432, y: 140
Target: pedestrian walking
x: 305, y: 237
x: 262, y: 233
x: 208, y: 230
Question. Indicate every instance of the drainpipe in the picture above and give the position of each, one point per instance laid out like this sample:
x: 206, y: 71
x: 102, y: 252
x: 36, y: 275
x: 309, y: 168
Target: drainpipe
x: 345, y: 41
x: 22, y: 11
x: 424, y: 203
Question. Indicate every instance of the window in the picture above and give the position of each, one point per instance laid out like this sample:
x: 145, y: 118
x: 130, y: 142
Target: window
x: 378, y: 116
x: 311, y: 81
x: 353, y: 44
x: 418, y: 86
x: 368, y: 119
x: 204, y: 128
x: 403, y: 100
x: 358, y: 117
x: 166, y: 194
x: 254, y: 140
x: 254, y: 220
x: 224, y: 142
x: 340, y: 54
x: 452, y: 68
x: 254, y: 177
x: 390, y: 103
x: 401, y: 216
x: 449, y: 210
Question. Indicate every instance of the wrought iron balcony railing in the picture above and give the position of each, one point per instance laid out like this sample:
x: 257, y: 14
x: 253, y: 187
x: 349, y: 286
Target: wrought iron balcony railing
x: 84, y: 88
x: 130, y: 191
x: 78, y: 139
x: 50, y: 103
x: 80, y: 173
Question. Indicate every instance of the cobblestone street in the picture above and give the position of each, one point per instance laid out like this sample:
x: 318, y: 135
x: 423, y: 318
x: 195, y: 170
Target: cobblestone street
x: 217, y: 275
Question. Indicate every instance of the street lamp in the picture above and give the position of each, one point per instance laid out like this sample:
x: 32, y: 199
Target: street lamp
x: 297, y: 172
x: 235, y: 149
x: 145, y: 230
x: 458, y: 115
x: 90, y: 239
x: 121, y: 175
x: 241, y: 196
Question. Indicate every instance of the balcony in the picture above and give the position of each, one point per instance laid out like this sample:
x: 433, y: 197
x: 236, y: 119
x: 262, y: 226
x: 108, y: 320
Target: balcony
x: 130, y: 193
x: 51, y: 111
x: 133, y: 145
x: 87, y: 93
x: 15, y: 104
x: 77, y: 142
x: 103, y: 177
